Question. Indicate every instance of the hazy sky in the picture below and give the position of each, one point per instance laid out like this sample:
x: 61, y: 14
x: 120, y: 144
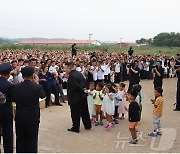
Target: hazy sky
x: 75, y: 19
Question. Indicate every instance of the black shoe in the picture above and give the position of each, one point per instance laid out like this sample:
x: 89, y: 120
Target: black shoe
x: 176, y: 109
x: 88, y: 128
x: 59, y: 105
x: 72, y: 130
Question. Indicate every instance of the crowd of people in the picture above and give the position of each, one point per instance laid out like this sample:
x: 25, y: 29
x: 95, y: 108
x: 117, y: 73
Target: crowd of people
x: 96, y: 78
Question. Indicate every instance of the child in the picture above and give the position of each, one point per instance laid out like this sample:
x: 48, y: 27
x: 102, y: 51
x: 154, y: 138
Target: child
x: 157, y: 112
x: 117, y: 98
x: 122, y: 93
x: 98, y: 97
x: 138, y: 88
x: 133, y: 112
x: 90, y: 99
x: 108, y: 105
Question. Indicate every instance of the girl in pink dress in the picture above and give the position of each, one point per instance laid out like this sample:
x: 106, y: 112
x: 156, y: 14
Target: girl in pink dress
x: 122, y: 93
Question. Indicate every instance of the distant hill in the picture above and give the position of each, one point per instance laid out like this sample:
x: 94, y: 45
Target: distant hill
x: 4, y: 40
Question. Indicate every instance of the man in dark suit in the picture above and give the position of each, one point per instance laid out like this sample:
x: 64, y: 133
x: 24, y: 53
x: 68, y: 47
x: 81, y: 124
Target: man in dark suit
x: 27, y: 118
x: 77, y: 98
x: 159, y: 75
x: 6, y: 112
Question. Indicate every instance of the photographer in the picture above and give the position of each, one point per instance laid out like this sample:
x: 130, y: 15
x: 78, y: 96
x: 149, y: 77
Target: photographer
x: 74, y: 50
x: 177, y: 71
x: 158, y: 72
x: 133, y: 71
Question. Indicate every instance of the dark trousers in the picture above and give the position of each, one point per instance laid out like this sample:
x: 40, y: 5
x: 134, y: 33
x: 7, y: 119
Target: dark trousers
x: 178, y: 96
x: 157, y: 84
x: 27, y: 138
x: 6, y: 126
x: 48, y: 95
x: 131, y: 85
x: 98, y: 81
x: 80, y: 110
x: 117, y: 77
x: 55, y: 91
x: 107, y: 78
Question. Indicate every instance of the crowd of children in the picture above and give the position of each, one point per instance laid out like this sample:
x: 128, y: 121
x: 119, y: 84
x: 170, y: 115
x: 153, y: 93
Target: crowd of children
x: 108, y: 101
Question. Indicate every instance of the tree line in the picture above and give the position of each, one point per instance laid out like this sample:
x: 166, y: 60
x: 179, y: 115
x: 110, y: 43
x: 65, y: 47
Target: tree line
x: 163, y: 39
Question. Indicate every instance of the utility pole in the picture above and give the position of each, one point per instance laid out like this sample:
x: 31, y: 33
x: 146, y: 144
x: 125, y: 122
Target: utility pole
x: 90, y: 39
x: 120, y: 41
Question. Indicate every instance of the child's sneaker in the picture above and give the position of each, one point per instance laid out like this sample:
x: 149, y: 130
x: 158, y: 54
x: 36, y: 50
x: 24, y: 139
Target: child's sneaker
x: 116, y: 121
x: 139, y: 123
x: 103, y: 117
x: 96, y: 123
x: 109, y: 127
x: 106, y: 126
x: 159, y: 132
x: 153, y: 134
x: 92, y: 121
x: 101, y: 123
x: 135, y: 141
x: 113, y: 124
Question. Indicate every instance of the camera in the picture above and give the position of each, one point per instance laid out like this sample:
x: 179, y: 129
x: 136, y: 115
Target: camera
x: 129, y: 65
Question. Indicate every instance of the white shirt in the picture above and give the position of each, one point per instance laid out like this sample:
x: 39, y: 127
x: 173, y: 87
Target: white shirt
x: 146, y: 67
x: 106, y: 69
x: 100, y: 74
x: 79, y: 69
x: 117, y: 67
x: 94, y: 73
x: 53, y: 69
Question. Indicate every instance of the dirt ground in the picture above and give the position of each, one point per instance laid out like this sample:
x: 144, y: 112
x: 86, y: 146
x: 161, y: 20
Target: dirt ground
x: 54, y: 137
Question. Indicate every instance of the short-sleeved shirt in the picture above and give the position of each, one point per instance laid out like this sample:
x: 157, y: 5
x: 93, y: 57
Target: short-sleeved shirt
x: 134, y: 112
x: 97, y: 100
x: 158, y: 106
x: 117, y: 97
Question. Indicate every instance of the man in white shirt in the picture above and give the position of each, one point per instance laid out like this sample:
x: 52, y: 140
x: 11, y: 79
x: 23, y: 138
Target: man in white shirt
x: 100, y: 72
x: 106, y: 68
x: 81, y: 68
x: 94, y: 69
x: 117, y: 71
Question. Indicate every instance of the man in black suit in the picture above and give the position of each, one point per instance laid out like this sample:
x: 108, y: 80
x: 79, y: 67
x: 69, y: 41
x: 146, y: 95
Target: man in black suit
x: 159, y: 75
x: 77, y: 98
x: 6, y: 112
x: 27, y: 118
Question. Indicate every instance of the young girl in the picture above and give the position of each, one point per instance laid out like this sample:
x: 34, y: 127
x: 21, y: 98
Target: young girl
x: 117, y: 98
x: 90, y: 99
x: 108, y: 106
x: 122, y: 93
x: 98, y: 97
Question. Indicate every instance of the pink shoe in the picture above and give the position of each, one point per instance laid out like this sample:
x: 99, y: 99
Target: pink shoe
x: 109, y: 127
x: 106, y: 126
x: 92, y: 121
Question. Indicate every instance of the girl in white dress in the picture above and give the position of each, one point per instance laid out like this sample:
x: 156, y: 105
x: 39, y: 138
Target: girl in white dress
x: 122, y: 103
x: 90, y: 100
x: 108, y: 105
